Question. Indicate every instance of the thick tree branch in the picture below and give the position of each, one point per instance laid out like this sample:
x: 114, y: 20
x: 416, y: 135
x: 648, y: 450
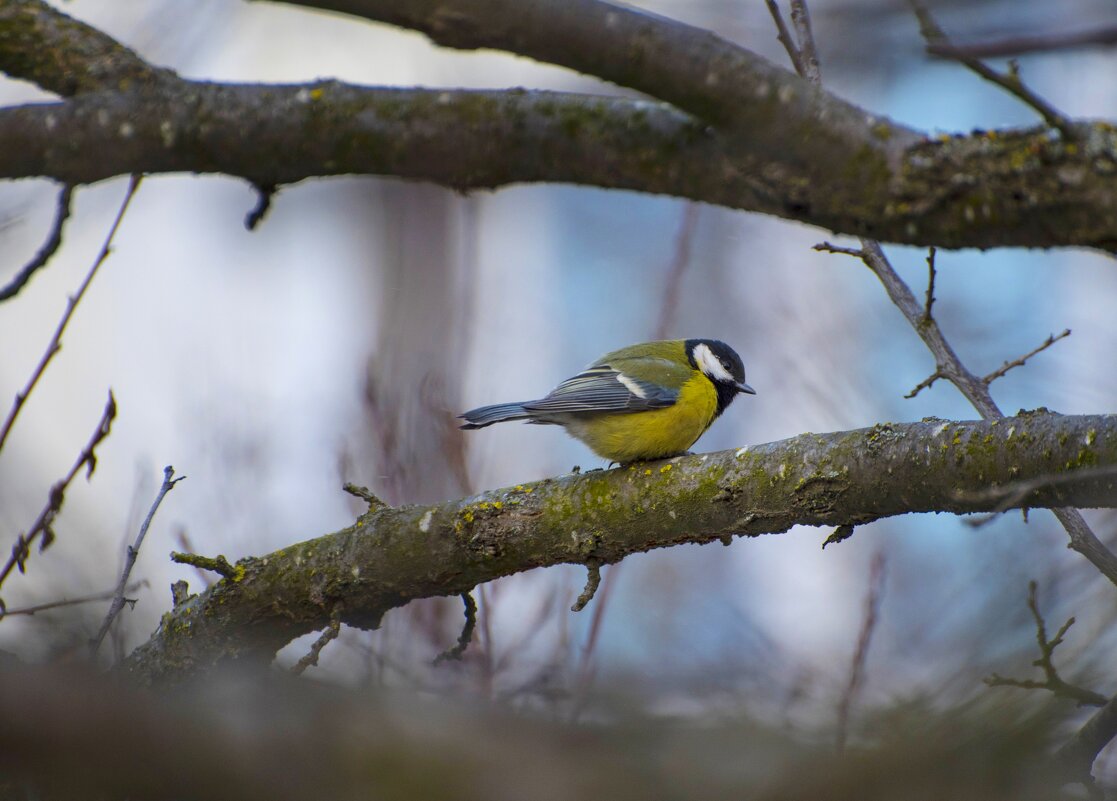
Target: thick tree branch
x: 963, y: 192
x: 392, y: 556
x: 691, y: 68
x: 778, y: 145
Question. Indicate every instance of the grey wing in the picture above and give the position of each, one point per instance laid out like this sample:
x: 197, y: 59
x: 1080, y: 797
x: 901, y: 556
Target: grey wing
x: 603, y: 389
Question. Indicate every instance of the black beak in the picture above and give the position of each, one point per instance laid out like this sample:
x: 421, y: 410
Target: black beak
x: 745, y: 388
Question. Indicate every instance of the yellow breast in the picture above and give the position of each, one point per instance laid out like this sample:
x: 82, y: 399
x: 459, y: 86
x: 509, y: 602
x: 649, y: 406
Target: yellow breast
x: 653, y: 434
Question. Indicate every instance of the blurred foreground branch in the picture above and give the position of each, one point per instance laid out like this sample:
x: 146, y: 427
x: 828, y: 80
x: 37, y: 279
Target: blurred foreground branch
x: 391, y: 556
x: 243, y: 737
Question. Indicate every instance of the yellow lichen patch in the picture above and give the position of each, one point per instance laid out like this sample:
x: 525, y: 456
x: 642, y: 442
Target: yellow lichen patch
x: 666, y: 468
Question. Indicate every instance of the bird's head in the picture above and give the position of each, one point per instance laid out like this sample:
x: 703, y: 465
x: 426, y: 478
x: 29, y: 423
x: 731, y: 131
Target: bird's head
x: 721, y: 364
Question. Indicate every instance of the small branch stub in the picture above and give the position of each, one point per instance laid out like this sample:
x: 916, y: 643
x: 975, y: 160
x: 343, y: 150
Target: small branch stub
x: 840, y: 534
x: 593, y: 581
x: 466, y: 637
x: 366, y: 495
x: 180, y: 592
x: 218, y: 564
x: 329, y: 634
x: 264, y: 195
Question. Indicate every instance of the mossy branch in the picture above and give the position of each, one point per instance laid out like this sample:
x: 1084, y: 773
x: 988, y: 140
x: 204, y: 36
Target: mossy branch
x: 393, y: 556
x: 735, y: 130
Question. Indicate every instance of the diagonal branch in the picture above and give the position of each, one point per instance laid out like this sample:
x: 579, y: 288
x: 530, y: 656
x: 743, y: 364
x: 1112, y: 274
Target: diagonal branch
x: 54, y: 240
x: 72, y: 302
x: 393, y: 556
x: 118, y: 600
x: 1010, y: 81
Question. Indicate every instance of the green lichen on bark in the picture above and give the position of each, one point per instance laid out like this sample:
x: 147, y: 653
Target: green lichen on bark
x: 391, y: 556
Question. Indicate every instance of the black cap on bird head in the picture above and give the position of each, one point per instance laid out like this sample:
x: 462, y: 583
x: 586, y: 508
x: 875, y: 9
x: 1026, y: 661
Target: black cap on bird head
x: 721, y: 364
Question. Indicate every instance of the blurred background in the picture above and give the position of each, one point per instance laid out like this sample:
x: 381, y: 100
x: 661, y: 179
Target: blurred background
x: 338, y: 341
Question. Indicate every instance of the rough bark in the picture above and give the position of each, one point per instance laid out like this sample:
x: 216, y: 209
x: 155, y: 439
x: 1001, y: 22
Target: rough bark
x: 391, y: 556
x: 739, y: 132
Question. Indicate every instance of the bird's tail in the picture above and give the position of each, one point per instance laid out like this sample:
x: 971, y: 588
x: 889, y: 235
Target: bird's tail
x: 498, y: 413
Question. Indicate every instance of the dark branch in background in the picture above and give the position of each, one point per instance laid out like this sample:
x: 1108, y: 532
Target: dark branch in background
x: 1019, y: 45
x: 864, y: 638
x: 684, y: 241
x: 84, y: 599
x: 42, y: 529
x: 119, y: 600
x: 54, y: 239
x: 1052, y: 680
x: 778, y: 145
x: 1009, y: 81
x: 466, y: 637
x: 329, y: 634
x: 55, y: 343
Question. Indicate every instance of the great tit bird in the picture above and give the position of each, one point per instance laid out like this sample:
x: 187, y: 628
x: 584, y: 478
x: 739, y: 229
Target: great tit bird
x: 646, y: 401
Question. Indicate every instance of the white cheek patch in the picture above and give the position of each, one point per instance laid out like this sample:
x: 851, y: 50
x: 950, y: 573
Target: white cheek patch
x: 631, y: 385
x: 711, y: 365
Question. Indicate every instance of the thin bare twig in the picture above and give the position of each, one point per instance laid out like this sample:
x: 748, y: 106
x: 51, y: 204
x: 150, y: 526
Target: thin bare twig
x: 119, y: 600
x: 808, y: 53
x: 924, y: 384
x: 1052, y: 682
x: 1051, y: 340
x: 466, y: 637
x: 328, y: 634
x: 50, y: 246
x: 929, y: 301
x: 55, y: 344
x: 1009, y: 81
x: 41, y: 528
x: 84, y: 599
x: 864, y: 639
x: 783, y: 35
